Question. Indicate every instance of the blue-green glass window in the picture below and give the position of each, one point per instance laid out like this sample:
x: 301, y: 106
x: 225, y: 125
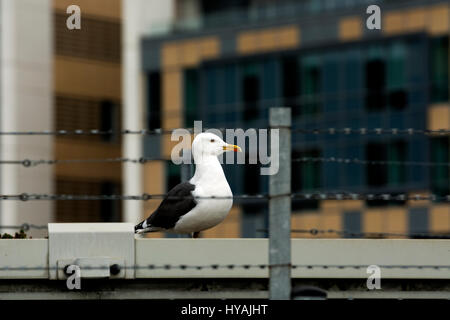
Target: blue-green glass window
x: 396, y: 76
x: 352, y: 223
x: 231, y: 94
x: 439, y: 69
x: 251, y: 95
x: 397, y: 152
x: 353, y: 82
x: 290, y: 83
x: 154, y: 100
x: 310, y: 84
x: 440, y: 180
x: 331, y: 82
x: 270, y: 81
x: 392, y: 174
x: 375, y: 76
x: 306, y: 176
x: 172, y: 175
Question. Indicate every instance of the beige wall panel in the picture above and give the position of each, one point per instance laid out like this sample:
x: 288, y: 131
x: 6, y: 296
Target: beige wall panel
x: 440, y: 218
x: 170, y: 55
x: 86, y: 78
x: 438, y: 19
x: 331, y: 219
x: 330, y: 204
x: 190, y: 53
x: 351, y: 204
x: 268, y: 39
x: 172, y: 96
x: 373, y: 220
x: 416, y: 19
x: 396, y: 220
x: 305, y: 220
x: 247, y: 42
x: 209, y: 47
x: 393, y: 22
x: 438, y: 116
x: 288, y: 37
x: 350, y: 28
x: 103, y: 8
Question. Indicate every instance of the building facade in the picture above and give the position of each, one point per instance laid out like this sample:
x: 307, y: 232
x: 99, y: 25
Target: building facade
x: 88, y: 95
x: 226, y: 63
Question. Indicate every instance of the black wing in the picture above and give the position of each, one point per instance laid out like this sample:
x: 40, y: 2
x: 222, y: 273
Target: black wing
x: 171, y: 209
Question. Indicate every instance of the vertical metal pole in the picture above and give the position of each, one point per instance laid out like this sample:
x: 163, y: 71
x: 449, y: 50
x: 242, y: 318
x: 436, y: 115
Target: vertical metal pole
x: 280, y: 209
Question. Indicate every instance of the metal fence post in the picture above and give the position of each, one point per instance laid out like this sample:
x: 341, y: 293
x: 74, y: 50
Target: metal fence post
x: 280, y: 209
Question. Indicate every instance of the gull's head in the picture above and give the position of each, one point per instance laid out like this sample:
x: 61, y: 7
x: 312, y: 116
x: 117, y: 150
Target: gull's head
x: 209, y: 144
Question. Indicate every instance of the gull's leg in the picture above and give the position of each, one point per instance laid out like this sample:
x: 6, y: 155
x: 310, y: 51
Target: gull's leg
x: 195, y: 234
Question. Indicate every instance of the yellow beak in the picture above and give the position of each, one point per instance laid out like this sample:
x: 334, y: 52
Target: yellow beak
x: 232, y: 147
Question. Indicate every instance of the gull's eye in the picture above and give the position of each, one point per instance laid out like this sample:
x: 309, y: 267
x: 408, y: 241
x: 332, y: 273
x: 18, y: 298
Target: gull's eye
x: 212, y: 140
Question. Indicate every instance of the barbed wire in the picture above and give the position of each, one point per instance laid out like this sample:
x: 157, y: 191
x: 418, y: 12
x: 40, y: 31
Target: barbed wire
x: 161, y: 131
x: 313, y: 231
x: 32, y: 163
x: 299, y: 196
x: 169, y: 267
x: 27, y: 163
x: 375, y: 235
x: 375, y: 131
x: 369, y: 162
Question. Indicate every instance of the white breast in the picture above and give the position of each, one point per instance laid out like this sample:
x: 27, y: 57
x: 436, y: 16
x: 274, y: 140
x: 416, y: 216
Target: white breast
x: 208, y: 212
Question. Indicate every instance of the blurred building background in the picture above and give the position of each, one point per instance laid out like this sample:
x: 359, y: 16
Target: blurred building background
x: 54, y: 78
x: 227, y: 62
x: 151, y: 63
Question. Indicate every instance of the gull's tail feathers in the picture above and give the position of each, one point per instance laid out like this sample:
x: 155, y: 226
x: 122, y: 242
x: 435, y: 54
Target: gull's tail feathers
x: 143, y: 227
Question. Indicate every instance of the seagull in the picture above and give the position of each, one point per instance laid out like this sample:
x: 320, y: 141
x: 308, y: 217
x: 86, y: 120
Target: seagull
x: 189, y: 207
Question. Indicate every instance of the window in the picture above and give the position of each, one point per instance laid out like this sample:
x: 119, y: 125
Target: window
x: 173, y: 175
x: 440, y: 180
x: 291, y: 84
x: 392, y: 174
x: 376, y: 174
x: 439, y: 69
x: 306, y: 177
x: 85, y: 113
x: 352, y: 223
x: 252, y: 185
x: 108, y: 119
x: 310, y: 84
x: 97, y: 39
x: 251, y: 92
x: 154, y: 100
x: 396, y: 76
x: 375, y: 84
x: 190, y: 97
x: 418, y: 221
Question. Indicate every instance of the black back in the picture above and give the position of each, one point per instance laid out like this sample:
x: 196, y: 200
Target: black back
x: 170, y: 210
